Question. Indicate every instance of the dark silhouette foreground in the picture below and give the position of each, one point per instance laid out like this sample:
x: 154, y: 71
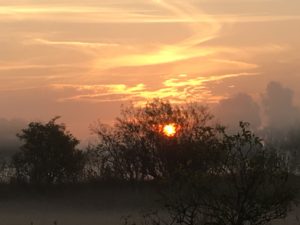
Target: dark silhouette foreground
x: 206, y: 176
x: 48, y: 155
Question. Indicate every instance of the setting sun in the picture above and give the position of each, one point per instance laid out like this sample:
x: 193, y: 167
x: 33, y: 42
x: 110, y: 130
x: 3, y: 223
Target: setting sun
x: 169, y: 130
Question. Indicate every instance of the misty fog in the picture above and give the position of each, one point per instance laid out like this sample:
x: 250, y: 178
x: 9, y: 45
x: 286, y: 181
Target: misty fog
x: 9, y: 143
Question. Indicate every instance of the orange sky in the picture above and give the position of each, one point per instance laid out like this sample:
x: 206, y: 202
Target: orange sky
x: 82, y: 60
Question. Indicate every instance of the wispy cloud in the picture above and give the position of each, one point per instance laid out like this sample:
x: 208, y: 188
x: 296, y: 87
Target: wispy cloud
x: 163, y: 11
x: 23, y: 66
x: 76, y: 43
x: 184, y: 49
x: 176, y: 89
x: 98, y: 13
x: 66, y: 54
x: 99, y: 93
x: 179, y: 82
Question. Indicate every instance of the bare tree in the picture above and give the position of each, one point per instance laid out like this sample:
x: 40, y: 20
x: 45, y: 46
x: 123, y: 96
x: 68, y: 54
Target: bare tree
x: 136, y: 148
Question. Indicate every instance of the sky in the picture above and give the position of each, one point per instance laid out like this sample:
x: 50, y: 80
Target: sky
x: 82, y: 59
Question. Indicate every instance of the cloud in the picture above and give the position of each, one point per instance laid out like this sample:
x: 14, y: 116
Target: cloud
x: 99, y: 93
x: 77, y: 43
x: 22, y: 66
x: 106, y: 52
x: 150, y: 12
x: 178, y: 89
x: 277, y: 110
x: 278, y: 106
x: 239, y: 107
x: 177, y: 82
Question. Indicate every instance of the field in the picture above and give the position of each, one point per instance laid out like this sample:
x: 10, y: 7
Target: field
x: 86, y: 205
x: 68, y: 206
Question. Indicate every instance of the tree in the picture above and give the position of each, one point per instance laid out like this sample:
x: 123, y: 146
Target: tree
x: 48, y: 155
x: 135, y: 148
x: 287, y: 143
x: 248, y: 186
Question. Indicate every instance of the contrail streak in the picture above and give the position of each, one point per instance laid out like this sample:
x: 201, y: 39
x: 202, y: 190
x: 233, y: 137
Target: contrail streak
x: 188, y: 12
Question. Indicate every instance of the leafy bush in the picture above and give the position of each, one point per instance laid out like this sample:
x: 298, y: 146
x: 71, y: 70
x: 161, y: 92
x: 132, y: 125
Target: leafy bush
x: 48, y: 155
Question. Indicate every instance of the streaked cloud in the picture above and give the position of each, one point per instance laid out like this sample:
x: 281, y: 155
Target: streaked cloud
x: 177, y: 89
x: 77, y: 43
x: 108, y: 52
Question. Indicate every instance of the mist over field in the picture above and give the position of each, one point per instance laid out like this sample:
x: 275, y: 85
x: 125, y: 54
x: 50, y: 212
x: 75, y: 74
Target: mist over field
x: 89, y: 207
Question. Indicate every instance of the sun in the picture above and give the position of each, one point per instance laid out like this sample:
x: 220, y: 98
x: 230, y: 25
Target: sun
x: 170, y: 130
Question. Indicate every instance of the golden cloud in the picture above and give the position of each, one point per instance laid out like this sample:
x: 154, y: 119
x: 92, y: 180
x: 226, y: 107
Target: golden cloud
x: 177, y: 89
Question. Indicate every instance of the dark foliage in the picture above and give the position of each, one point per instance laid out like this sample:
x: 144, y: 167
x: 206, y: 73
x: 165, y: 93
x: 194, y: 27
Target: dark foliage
x: 247, y: 186
x: 48, y: 155
x: 135, y: 148
x: 285, y: 142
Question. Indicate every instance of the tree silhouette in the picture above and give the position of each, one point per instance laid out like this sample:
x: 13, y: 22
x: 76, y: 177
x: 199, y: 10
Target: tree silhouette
x: 248, y: 186
x: 48, y: 155
x: 287, y: 143
x: 135, y: 148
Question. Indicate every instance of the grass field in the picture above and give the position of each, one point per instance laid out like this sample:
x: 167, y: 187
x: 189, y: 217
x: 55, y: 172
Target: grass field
x: 79, y: 206
x: 96, y: 205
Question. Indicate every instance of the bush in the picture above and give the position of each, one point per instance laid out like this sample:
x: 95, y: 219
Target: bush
x: 136, y: 148
x: 48, y: 155
x: 247, y: 186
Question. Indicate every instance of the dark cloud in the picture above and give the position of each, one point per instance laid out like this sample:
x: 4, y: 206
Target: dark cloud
x: 239, y: 107
x: 278, y: 105
x: 277, y: 110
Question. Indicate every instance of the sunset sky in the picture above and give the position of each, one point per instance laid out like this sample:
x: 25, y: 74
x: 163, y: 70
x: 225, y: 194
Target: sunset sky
x: 82, y: 59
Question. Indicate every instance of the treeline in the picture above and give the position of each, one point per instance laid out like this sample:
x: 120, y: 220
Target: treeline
x: 135, y: 148
x: 210, y: 176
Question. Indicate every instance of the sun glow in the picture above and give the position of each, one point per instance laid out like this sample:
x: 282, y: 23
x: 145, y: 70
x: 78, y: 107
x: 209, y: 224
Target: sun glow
x: 170, y: 130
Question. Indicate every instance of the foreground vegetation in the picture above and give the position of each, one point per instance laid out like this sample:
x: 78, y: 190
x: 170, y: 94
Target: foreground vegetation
x: 203, y: 174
